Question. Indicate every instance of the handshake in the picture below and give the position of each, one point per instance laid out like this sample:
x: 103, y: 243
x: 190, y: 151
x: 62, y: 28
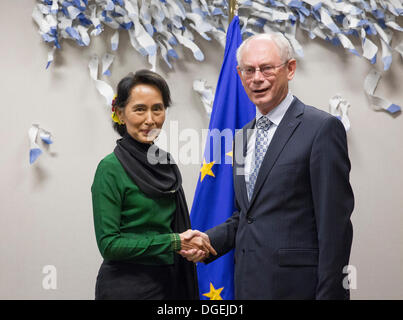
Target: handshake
x: 195, y: 246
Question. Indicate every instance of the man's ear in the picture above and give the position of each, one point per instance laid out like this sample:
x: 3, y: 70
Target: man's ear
x: 291, y: 67
x: 238, y: 69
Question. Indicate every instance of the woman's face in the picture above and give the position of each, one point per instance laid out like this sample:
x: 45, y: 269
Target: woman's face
x: 144, y: 113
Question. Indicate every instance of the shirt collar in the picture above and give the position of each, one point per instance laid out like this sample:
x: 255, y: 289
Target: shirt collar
x: 277, y: 114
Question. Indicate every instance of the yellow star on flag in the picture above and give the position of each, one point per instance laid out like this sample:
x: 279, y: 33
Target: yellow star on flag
x: 206, y: 170
x: 230, y: 154
x: 214, y: 294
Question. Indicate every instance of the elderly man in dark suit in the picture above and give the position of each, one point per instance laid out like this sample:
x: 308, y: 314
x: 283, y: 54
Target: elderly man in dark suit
x: 292, y: 232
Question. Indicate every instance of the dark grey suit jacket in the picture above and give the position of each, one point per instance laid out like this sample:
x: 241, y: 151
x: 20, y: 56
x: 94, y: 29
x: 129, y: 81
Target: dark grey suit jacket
x: 293, y: 239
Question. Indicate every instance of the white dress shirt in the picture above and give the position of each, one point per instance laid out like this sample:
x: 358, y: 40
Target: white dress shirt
x: 275, y: 116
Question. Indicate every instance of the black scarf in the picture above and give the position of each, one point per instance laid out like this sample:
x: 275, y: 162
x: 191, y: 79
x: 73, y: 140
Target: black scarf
x: 157, y: 176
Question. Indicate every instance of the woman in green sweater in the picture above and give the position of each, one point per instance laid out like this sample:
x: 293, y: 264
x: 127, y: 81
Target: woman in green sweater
x: 140, y: 214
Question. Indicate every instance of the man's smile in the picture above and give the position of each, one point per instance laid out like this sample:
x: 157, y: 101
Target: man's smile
x: 260, y: 90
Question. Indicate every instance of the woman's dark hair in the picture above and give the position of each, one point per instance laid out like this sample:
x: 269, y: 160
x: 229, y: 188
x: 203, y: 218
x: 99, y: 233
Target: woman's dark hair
x: 126, y: 85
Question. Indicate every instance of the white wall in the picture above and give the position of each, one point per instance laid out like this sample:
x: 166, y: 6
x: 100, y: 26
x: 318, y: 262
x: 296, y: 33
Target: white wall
x: 46, y: 213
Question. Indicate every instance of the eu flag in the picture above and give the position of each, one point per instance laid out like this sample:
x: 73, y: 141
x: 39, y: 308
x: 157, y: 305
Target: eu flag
x: 214, y: 197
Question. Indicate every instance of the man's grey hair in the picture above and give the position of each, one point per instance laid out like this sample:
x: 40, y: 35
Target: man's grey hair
x: 284, y: 46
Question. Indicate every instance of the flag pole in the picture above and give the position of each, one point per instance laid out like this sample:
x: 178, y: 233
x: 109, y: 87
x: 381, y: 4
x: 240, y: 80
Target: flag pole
x: 233, y: 9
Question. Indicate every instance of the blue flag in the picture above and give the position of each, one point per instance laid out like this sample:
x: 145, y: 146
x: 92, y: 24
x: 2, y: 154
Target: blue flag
x: 214, y: 197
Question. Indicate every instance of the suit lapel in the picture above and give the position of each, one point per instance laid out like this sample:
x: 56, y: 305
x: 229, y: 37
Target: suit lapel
x: 283, y: 133
x: 239, y: 166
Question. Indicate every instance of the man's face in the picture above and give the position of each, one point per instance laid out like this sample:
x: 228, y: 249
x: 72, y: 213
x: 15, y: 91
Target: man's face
x: 266, y: 92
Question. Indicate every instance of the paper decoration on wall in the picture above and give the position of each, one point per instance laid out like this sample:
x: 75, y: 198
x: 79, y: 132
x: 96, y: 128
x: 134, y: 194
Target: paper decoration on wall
x: 206, y: 95
x: 35, y: 151
x: 336, y: 21
x: 339, y: 108
x: 378, y: 103
x: 103, y: 88
x: 107, y: 60
x: 153, y: 26
x: 157, y: 27
x: 46, y: 136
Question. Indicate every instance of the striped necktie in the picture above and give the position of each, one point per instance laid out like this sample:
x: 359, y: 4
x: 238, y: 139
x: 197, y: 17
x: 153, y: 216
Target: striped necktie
x: 261, y: 145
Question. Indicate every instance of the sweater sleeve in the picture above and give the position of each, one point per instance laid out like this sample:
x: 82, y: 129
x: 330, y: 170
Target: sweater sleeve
x: 114, y: 245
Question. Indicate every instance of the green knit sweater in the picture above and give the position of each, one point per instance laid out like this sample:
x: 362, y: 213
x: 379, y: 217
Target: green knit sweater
x: 129, y: 225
